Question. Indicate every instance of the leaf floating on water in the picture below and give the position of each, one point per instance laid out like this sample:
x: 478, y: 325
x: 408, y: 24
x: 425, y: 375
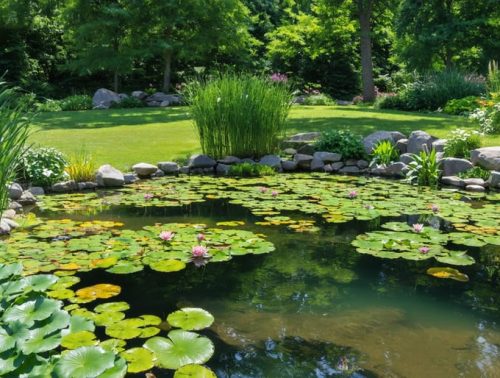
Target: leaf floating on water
x: 167, y: 265
x: 138, y: 359
x: 194, y: 371
x: 446, y: 272
x: 99, y: 291
x: 190, y: 319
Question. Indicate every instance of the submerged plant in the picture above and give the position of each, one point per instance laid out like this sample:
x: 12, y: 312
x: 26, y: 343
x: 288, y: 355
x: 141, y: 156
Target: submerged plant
x: 424, y: 169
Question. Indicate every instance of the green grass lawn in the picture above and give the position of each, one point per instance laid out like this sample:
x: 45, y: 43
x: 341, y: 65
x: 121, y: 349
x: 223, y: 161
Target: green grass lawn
x: 123, y: 137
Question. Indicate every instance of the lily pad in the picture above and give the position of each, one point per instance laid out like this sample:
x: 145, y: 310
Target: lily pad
x: 194, y: 371
x: 445, y: 272
x: 79, y: 339
x: 85, y: 362
x: 167, y: 265
x: 99, y: 291
x: 190, y: 319
x: 138, y: 359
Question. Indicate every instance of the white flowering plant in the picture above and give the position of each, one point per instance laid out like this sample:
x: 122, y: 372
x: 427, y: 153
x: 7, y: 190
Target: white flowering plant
x: 461, y: 142
x: 488, y: 119
x: 43, y: 166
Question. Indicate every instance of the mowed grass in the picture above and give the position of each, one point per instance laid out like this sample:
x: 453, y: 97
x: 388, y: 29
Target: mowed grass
x: 122, y: 137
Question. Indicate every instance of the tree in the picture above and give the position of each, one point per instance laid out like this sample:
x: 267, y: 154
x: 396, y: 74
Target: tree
x: 365, y: 10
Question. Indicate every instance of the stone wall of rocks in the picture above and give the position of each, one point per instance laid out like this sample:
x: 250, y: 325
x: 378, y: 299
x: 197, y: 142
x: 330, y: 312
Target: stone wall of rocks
x: 103, y: 98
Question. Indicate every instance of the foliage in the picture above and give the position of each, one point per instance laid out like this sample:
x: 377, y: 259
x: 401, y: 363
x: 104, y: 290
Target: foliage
x: 43, y: 166
x: 461, y: 142
x: 13, y: 134
x: 49, y: 106
x: 76, y: 102
x: 240, y: 115
x: 384, y: 153
x: 476, y: 172
x: 318, y: 99
x: 488, y: 119
x: 344, y: 142
x: 462, y: 106
x: 81, y: 167
x: 493, y: 80
x: 424, y: 169
x: 128, y: 102
x: 251, y: 170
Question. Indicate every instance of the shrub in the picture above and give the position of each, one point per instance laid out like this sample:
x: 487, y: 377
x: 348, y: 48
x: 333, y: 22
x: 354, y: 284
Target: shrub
x: 241, y: 115
x: 384, y: 153
x: 462, y: 106
x: 128, y: 102
x: 318, y: 99
x: 488, y: 119
x: 76, y: 102
x: 461, y: 142
x: 493, y: 81
x: 476, y: 172
x: 344, y: 142
x: 43, y: 166
x: 49, y: 106
x: 424, y: 169
x: 251, y: 170
x: 81, y: 167
x: 13, y: 134
x: 398, y: 101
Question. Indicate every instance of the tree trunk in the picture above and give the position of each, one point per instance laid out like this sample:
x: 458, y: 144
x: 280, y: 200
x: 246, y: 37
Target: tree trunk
x: 167, y: 71
x: 116, y: 81
x: 365, y: 12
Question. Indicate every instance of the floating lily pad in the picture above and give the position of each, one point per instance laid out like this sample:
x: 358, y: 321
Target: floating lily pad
x: 84, y: 362
x: 79, y: 339
x: 112, y: 307
x: 194, y: 371
x: 138, y: 359
x: 99, y: 291
x: 191, y: 319
x: 167, y: 265
x: 445, y: 272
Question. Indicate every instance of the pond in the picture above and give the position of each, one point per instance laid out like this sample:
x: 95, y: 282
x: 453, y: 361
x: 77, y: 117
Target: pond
x: 308, y: 275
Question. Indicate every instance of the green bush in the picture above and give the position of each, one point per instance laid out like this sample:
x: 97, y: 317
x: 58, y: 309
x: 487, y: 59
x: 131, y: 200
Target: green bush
x: 318, y: 99
x: 344, y: 142
x: 488, y: 119
x: 43, y: 166
x: 128, y: 102
x: 462, y: 106
x: 49, y: 106
x: 493, y: 81
x: 476, y: 172
x: 251, y: 170
x: 461, y: 142
x: 76, y: 102
x: 384, y: 153
x: 424, y: 169
x: 240, y: 115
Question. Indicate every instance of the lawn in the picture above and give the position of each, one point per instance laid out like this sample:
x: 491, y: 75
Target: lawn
x: 123, y: 137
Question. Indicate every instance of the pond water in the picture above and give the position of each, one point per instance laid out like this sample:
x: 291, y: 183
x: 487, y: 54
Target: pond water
x: 315, y: 306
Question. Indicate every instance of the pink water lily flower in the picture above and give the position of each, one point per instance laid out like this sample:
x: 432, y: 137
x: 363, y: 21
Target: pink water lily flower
x: 435, y: 208
x: 200, y: 237
x: 353, y: 194
x: 148, y: 196
x: 200, y: 251
x: 424, y: 250
x: 274, y: 193
x: 167, y: 235
x: 262, y: 189
x: 418, y: 227
x: 369, y: 207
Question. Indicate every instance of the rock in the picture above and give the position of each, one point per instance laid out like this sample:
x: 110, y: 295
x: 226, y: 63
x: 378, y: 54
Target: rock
x: 494, y: 179
x: 164, y: 104
x: 88, y: 185
x: 201, y: 161
x: 122, y: 96
x: 328, y: 168
x: 317, y: 165
x: 208, y: 171
x: 351, y: 162
x: 158, y: 173
x: 290, y: 151
x: 169, y: 167
x: 337, y: 166
x: 439, y: 144
x: 439, y: 156
x: 27, y: 199
x: 453, y: 166
x: 272, y: 161
x: 9, y: 214
x: 15, y: 191
x: 144, y: 169
x: 362, y: 164
x: 474, y: 181
x: 327, y: 157
x: 349, y: 169
x: 4, y: 227
x: 140, y: 95
x: 222, y: 169
x: 487, y: 157
x: 248, y: 161
x: 130, y: 178
x: 160, y: 97
x: 36, y: 190
x: 104, y: 98
x: 475, y: 188
x: 109, y: 176
x: 306, y: 149
x: 379, y: 170
x: 406, y: 158
x: 184, y: 170
x: 65, y: 186
x: 398, y: 169
x: 402, y: 145
x: 344, y: 102
x: 100, y: 107
x: 418, y: 141
x: 303, y: 160
x: 299, y: 140
x: 370, y: 141
x: 453, y: 181
x: 397, y: 136
x: 153, y: 104
x: 288, y: 165
x: 16, y: 206
x: 230, y: 160
x: 299, y: 100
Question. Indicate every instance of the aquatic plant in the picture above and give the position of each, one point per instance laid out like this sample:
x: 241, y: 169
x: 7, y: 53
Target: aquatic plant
x: 384, y: 153
x: 81, y: 167
x: 167, y: 235
x: 424, y: 169
x: 199, y: 251
x: 418, y: 227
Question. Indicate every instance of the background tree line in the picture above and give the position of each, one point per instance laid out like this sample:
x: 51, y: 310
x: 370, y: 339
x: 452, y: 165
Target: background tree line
x: 345, y: 47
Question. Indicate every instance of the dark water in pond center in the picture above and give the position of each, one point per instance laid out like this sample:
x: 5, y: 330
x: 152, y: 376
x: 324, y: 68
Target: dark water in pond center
x: 315, y: 307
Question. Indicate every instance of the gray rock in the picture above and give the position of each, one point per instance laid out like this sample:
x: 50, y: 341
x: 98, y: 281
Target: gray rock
x: 419, y: 141
x: 208, y: 171
x: 317, y: 165
x: 439, y: 144
x: 397, y: 169
x: 248, y: 160
x: 158, y: 173
x: 328, y: 168
x: 109, y: 176
x: 487, y: 157
x: 303, y: 160
x: 288, y: 165
x: 164, y: 104
x: 195, y: 171
x: 15, y: 191
x: 370, y: 141
x: 272, y: 161
x: 140, y: 95
x: 230, y: 160
x: 169, y: 167
x: 299, y: 100
x: 402, y: 146
x: 362, y: 164
x: 122, y: 96
x: 222, y: 169
x: 104, y: 98
x: 351, y: 162
x: 453, y: 181
x: 290, y: 151
x: 327, y: 157
x: 406, y: 158
x: 10, y: 222
x: 65, y: 186
x: 349, y: 169
x: 36, y: 190
x: 153, y: 104
x: 160, y: 97
x: 337, y: 166
x: 306, y: 149
x: 27, y: 199
x: 453, y: 166
x: 100, y: 107
x: 201, y: 161
x: 475, y: 188
x: 474, y: 181
x: 88, y: 185
x: 4, y: 227
x: 184, y: 170
x: 397, y: 136
x: 144, y: 169
x: 305, y: 137
x: 494, y: 179
x: 9, y: 214
x: 16, y: 206
x: 130, y: 178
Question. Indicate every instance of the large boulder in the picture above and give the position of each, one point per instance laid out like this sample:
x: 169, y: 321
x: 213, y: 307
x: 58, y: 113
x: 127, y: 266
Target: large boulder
x: 418, y: 141
x: 140, y: 95
x: 397, y: 169
x: 402, y: 145
x: 144, y: 169
x: 169, y: 167
x: 349, y: 169
x: 109, y: 176
x: 15, y: 191
x: 453, y: 166
x: 27, y: 199
x: 167, y: 99
x: 272, y: 161
x: 453, y: 181
x: 103, y: 98
x: 303, y: 160
x: 201, y: 161
x: 64, y: 186
x: 439, y: 144
x: 289, y: 165
x: 228, y: 160
x: 327, y: 157
x: 487, y: 157
x: 494, y: 180
x: 36, y: 190
x: 222, y: 169
x: 406, y: 158
x: 317, y: 165
x: 370, y: 141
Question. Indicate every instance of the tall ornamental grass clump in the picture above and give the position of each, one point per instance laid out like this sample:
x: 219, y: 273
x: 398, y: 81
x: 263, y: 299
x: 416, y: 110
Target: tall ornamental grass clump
x: 239, y: 114
x: 13, y: 134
